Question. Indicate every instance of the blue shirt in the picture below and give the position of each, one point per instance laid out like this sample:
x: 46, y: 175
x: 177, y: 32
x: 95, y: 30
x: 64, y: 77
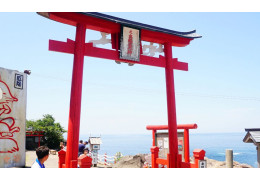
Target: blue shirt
x: 81, y: 148
x: 37, y: 164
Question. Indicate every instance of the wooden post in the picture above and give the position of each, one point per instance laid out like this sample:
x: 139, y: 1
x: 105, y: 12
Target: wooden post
x: 154, y: 132
x: 172, y: 120
x: 154, y: 156
x: 168, y: 160
x: 39, y: 140
x: 85, y: 161
x: 186, y: 146
x: 229, y: 158
x: 179, y: 160
x: 74, y: 164
x: 75, y: 97
x: 62, y: 156
x: 198, y: 154
x: 258, y: 155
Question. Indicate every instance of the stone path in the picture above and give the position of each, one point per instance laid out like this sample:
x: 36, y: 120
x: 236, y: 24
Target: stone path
x: 52, y: 162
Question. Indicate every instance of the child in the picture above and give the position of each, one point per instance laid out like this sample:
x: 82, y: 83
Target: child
x: 42, y: 153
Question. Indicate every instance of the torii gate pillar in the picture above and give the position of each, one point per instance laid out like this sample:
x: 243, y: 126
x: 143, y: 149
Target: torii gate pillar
x: 75, y: 97
x: 171, y: 107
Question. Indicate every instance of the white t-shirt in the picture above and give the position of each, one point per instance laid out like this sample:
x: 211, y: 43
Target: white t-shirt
x: 35, y: 165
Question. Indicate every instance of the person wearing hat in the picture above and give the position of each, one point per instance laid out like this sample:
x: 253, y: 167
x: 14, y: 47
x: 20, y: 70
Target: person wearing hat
x: 86, y: 144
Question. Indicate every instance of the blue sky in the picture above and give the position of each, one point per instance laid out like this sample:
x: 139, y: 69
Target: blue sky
x: 220, y: 92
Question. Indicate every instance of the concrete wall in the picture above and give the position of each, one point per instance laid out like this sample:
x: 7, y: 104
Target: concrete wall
x: 13, y: 96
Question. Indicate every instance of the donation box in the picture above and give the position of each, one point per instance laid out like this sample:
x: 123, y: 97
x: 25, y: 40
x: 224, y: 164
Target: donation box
x: 162, y: 141
x: 12, y: 118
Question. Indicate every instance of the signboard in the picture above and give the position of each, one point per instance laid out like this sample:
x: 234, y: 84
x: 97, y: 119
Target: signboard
x: 166, y: 143
x: 12, y: 118
x: 94, y: 156
x: 162, y: 141
x: 202, y: 164
x: 130, y: 44
x: 96, y: 146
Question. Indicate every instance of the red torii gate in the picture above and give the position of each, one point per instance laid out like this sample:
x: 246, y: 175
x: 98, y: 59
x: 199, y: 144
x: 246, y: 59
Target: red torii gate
x: 185, y: 127
x: 38, y: 134
x: 112, y: 25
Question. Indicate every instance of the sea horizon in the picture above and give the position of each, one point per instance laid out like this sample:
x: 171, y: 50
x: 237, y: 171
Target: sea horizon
x: 215, y: 145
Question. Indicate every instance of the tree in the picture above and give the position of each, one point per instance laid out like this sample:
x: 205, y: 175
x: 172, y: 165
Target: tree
x: 53, y: 132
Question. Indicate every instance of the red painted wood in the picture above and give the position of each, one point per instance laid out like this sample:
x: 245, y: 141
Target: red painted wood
x: 34, y: 133
x: 168, y: 160
x: 179, y: 160
x: 68, y: 47
x: 161, y: 161
x: 62, y: 156
x: 164, y: 127
x: 64, y: 47
x: 193, y: 165
x: 161, y: 38
x: 74, y: 164
x: 84, y: 161
x: 185, y: 165
x: 92, y: 23
x: 39, y: 134
x: 39, y: 141
x: 80, y: 48
x: 154, y: 132
x: 198, y: 154
x: 102, y: 25
x: 172, y: 121
x: 154, y: 156
x: 113, y: 40
x: 186, y: 146
x: 180, y: 65
x: 75, y: 100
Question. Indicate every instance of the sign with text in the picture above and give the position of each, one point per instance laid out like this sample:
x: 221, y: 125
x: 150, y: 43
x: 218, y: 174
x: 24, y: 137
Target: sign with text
x: 130, y: 44
x: 162, y: 141
x: 18, y: 83
x: 202, y: 164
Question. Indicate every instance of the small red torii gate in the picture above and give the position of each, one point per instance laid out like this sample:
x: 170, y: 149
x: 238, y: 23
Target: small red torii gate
x: 198, y: 154
x: 113, y: 25
x: 38, y: 134
x: 185, y: 127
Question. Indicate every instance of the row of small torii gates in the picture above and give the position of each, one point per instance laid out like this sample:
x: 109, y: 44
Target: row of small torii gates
x: 126, y: 40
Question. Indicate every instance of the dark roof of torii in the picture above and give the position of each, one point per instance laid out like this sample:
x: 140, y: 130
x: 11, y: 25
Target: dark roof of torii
x: 190, y: 34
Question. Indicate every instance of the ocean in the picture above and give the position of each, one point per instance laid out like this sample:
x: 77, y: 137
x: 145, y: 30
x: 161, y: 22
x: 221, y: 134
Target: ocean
x: 214, y: 144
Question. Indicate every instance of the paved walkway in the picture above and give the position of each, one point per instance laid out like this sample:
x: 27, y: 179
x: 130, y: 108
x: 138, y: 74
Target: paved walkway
x: 52, y: 161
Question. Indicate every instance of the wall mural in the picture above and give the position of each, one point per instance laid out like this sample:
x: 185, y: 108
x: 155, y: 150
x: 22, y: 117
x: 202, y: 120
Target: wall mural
x: 13, y: 99
x: 7, y: 125
x: 6, y: 97
x: 6, y: 135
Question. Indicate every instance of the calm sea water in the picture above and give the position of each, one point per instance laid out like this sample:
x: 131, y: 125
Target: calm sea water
x: 214, y: 145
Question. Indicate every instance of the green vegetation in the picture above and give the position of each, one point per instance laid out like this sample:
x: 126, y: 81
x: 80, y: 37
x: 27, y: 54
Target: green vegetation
x: 118, y: 156
x: 53, y: 132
